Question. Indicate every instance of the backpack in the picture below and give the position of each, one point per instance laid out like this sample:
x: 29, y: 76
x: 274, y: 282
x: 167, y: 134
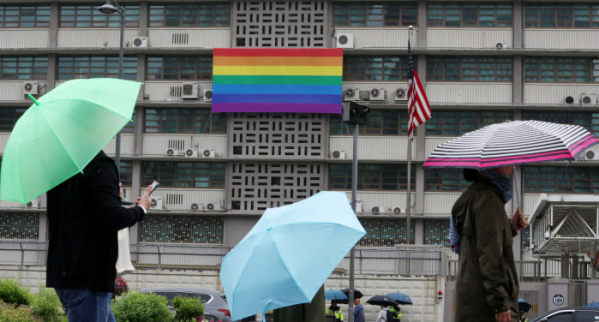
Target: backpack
x: 391, y: 317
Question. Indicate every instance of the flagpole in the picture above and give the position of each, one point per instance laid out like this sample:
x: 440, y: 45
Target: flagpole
x: 409, y: 194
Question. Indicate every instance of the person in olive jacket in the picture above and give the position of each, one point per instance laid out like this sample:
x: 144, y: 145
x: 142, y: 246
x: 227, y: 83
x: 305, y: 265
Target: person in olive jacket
x: 487, y: 283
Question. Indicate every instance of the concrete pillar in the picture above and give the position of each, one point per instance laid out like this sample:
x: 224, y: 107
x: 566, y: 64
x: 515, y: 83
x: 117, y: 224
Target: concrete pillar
x: 418, y: 231
x: 53, y: 33
x: 52, y: 70
x: 421, y: 26
x: 144, y: 14
x: 518, y: 24
x: 518, y: 81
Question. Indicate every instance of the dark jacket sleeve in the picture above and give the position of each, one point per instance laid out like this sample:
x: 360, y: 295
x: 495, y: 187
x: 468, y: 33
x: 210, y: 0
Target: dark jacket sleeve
x: 105, y: 198
x: 490, y: 225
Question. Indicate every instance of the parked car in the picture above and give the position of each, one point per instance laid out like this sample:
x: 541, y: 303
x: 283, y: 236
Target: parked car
x: 215, y: 303
x: 570, y: 314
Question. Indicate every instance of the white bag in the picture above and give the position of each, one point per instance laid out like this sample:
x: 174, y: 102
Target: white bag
x: 123, y: 263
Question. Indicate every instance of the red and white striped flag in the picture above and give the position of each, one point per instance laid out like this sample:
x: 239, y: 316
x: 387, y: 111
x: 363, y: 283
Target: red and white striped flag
x: 418, y: 108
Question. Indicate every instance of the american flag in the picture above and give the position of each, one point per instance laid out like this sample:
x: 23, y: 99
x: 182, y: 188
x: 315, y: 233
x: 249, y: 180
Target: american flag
x: 418, y: 108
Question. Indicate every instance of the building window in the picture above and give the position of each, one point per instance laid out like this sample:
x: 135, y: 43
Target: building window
x: 31, y: 16
x: 562, y: 15
x: 130, y: 126
x: 371, y: 177
x: 188, y: 120
x: 185, y: 174
x: 470, y: 69
x: 382, y: 14
x: 9, y: 117
x: 380, y: 122
x: 180, y: 68
x: 181, y: 229
x: 560, y: 70
x: 70, y: 67
x: 588, y: 120
x: 470, y: 14
x: 126, y: 173
x: 369, y: 68
x: 385, y: 232
x: 190, y: 15
x: 86, y: 16
x: 436, y: 232
x: 561, y: 179
x: 24, y: 67
x: 445, y: 180
x: 19, y: 226
x: 456, y: 123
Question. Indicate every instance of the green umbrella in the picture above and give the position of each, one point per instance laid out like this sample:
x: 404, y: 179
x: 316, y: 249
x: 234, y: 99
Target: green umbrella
x: 62, y: 132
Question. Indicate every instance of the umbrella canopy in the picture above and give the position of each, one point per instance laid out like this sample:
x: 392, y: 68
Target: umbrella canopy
x: 334, y: 295
x: 512, y: 143
x: 289, y: 254
x: 382, y: 300
x: 62, y: 132
x: 523, y: 306
x: 357, y: 295
x: 594, y: 304
x: 400, y: 298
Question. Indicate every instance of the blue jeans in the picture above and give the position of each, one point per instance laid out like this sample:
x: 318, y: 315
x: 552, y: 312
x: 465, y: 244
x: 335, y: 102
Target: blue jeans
x: 86, y: 306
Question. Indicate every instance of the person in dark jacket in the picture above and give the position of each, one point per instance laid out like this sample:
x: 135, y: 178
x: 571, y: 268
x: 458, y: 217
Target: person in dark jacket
x: 358, y: 311
x: 487, y: 283
x: 84, y: 215
x: 306, y: 312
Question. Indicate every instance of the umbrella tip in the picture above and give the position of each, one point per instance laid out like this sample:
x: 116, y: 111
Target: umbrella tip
x: 33, y: 99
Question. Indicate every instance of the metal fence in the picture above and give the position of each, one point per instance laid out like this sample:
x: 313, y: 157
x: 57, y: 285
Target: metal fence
x: 406, y: 260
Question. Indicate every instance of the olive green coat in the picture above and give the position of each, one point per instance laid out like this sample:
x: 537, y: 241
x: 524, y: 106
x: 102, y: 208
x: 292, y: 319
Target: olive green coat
x: 307, y: 312
x: 487, y: 281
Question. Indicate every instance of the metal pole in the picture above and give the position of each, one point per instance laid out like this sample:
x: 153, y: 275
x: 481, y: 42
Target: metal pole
x: 409, y: 196
x: 352, y: 257
x: 117, y: 153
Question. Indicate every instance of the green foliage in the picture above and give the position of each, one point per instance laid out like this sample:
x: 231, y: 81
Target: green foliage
x: 8, y: 313
x: 11, y: 292
x: 138, y: 307
x: 46, y: 305
x: 188, y: 309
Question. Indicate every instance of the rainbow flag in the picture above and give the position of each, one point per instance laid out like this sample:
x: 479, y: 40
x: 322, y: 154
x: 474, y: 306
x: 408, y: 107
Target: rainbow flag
x: 277, y: 80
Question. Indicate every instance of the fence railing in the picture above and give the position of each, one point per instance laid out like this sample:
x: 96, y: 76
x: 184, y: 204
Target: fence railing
x: 403, y: 261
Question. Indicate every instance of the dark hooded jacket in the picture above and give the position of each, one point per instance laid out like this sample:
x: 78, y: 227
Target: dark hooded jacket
x: 84, y: 215
x: 487, y: 282
x: 306, y: 312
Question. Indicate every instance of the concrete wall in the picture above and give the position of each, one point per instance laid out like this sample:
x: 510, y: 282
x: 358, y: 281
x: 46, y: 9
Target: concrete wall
x: 422, y: 290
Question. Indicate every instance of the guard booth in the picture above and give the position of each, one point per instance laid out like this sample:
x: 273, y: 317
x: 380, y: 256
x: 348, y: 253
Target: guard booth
x: 565, y: 228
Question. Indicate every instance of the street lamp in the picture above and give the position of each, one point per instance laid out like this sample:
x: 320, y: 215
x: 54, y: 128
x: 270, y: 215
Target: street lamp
x: 109, y: 8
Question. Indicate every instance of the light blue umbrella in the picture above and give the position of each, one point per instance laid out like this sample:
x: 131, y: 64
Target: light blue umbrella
x: 334, y: 295
x: 400, y: 298
x: 289, y: 254
x: 594, y: 304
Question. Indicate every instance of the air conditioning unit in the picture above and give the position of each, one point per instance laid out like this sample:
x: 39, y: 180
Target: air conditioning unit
x: 377, y: 210
x: 401, y: 94
x: 140, y: 42
x: 351, y: 94
x: 172, y: 152
x: 345, y: 40
x: 190, y: 90
x: 156, y: 203
x: 591, y: 155
x: 213, y: 206
x: 589, y: 100
x: 197, y: 206
x: 501, y: 45
x: 573, y: 100
x: 33, y: 204
x: 378, y: 94
x: 191, y: 153
x: 207, y: 94
x: 208, y: 153
x: 359, y: 204
x: 364, y: 95
x: 338, y: 154
x: 398, y: 210
x: 30, y: 87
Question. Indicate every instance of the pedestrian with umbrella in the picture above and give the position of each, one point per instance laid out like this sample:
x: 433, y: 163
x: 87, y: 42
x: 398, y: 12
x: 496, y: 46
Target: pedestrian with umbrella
x: 334, y: 309
x: 402, y: 299
x: 56, y: 147
x: 524, y: 307
x: 384, y: 302
x: 487, y: 283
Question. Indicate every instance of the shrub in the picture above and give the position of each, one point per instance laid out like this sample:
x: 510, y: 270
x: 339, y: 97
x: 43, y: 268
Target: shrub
x: 11, y: 292
x: 138, y: 307
x: 188, y: 309
x: 46, y: 305
x: 120, y: 286
x: 8, y: 313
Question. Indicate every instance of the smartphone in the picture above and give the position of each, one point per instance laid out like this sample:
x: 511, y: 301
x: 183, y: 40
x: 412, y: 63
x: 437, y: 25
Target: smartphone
x: 154, y: 186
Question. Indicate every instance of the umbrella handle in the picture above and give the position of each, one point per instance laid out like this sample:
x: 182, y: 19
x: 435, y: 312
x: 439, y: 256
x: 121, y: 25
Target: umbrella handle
x: 516, y: 185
